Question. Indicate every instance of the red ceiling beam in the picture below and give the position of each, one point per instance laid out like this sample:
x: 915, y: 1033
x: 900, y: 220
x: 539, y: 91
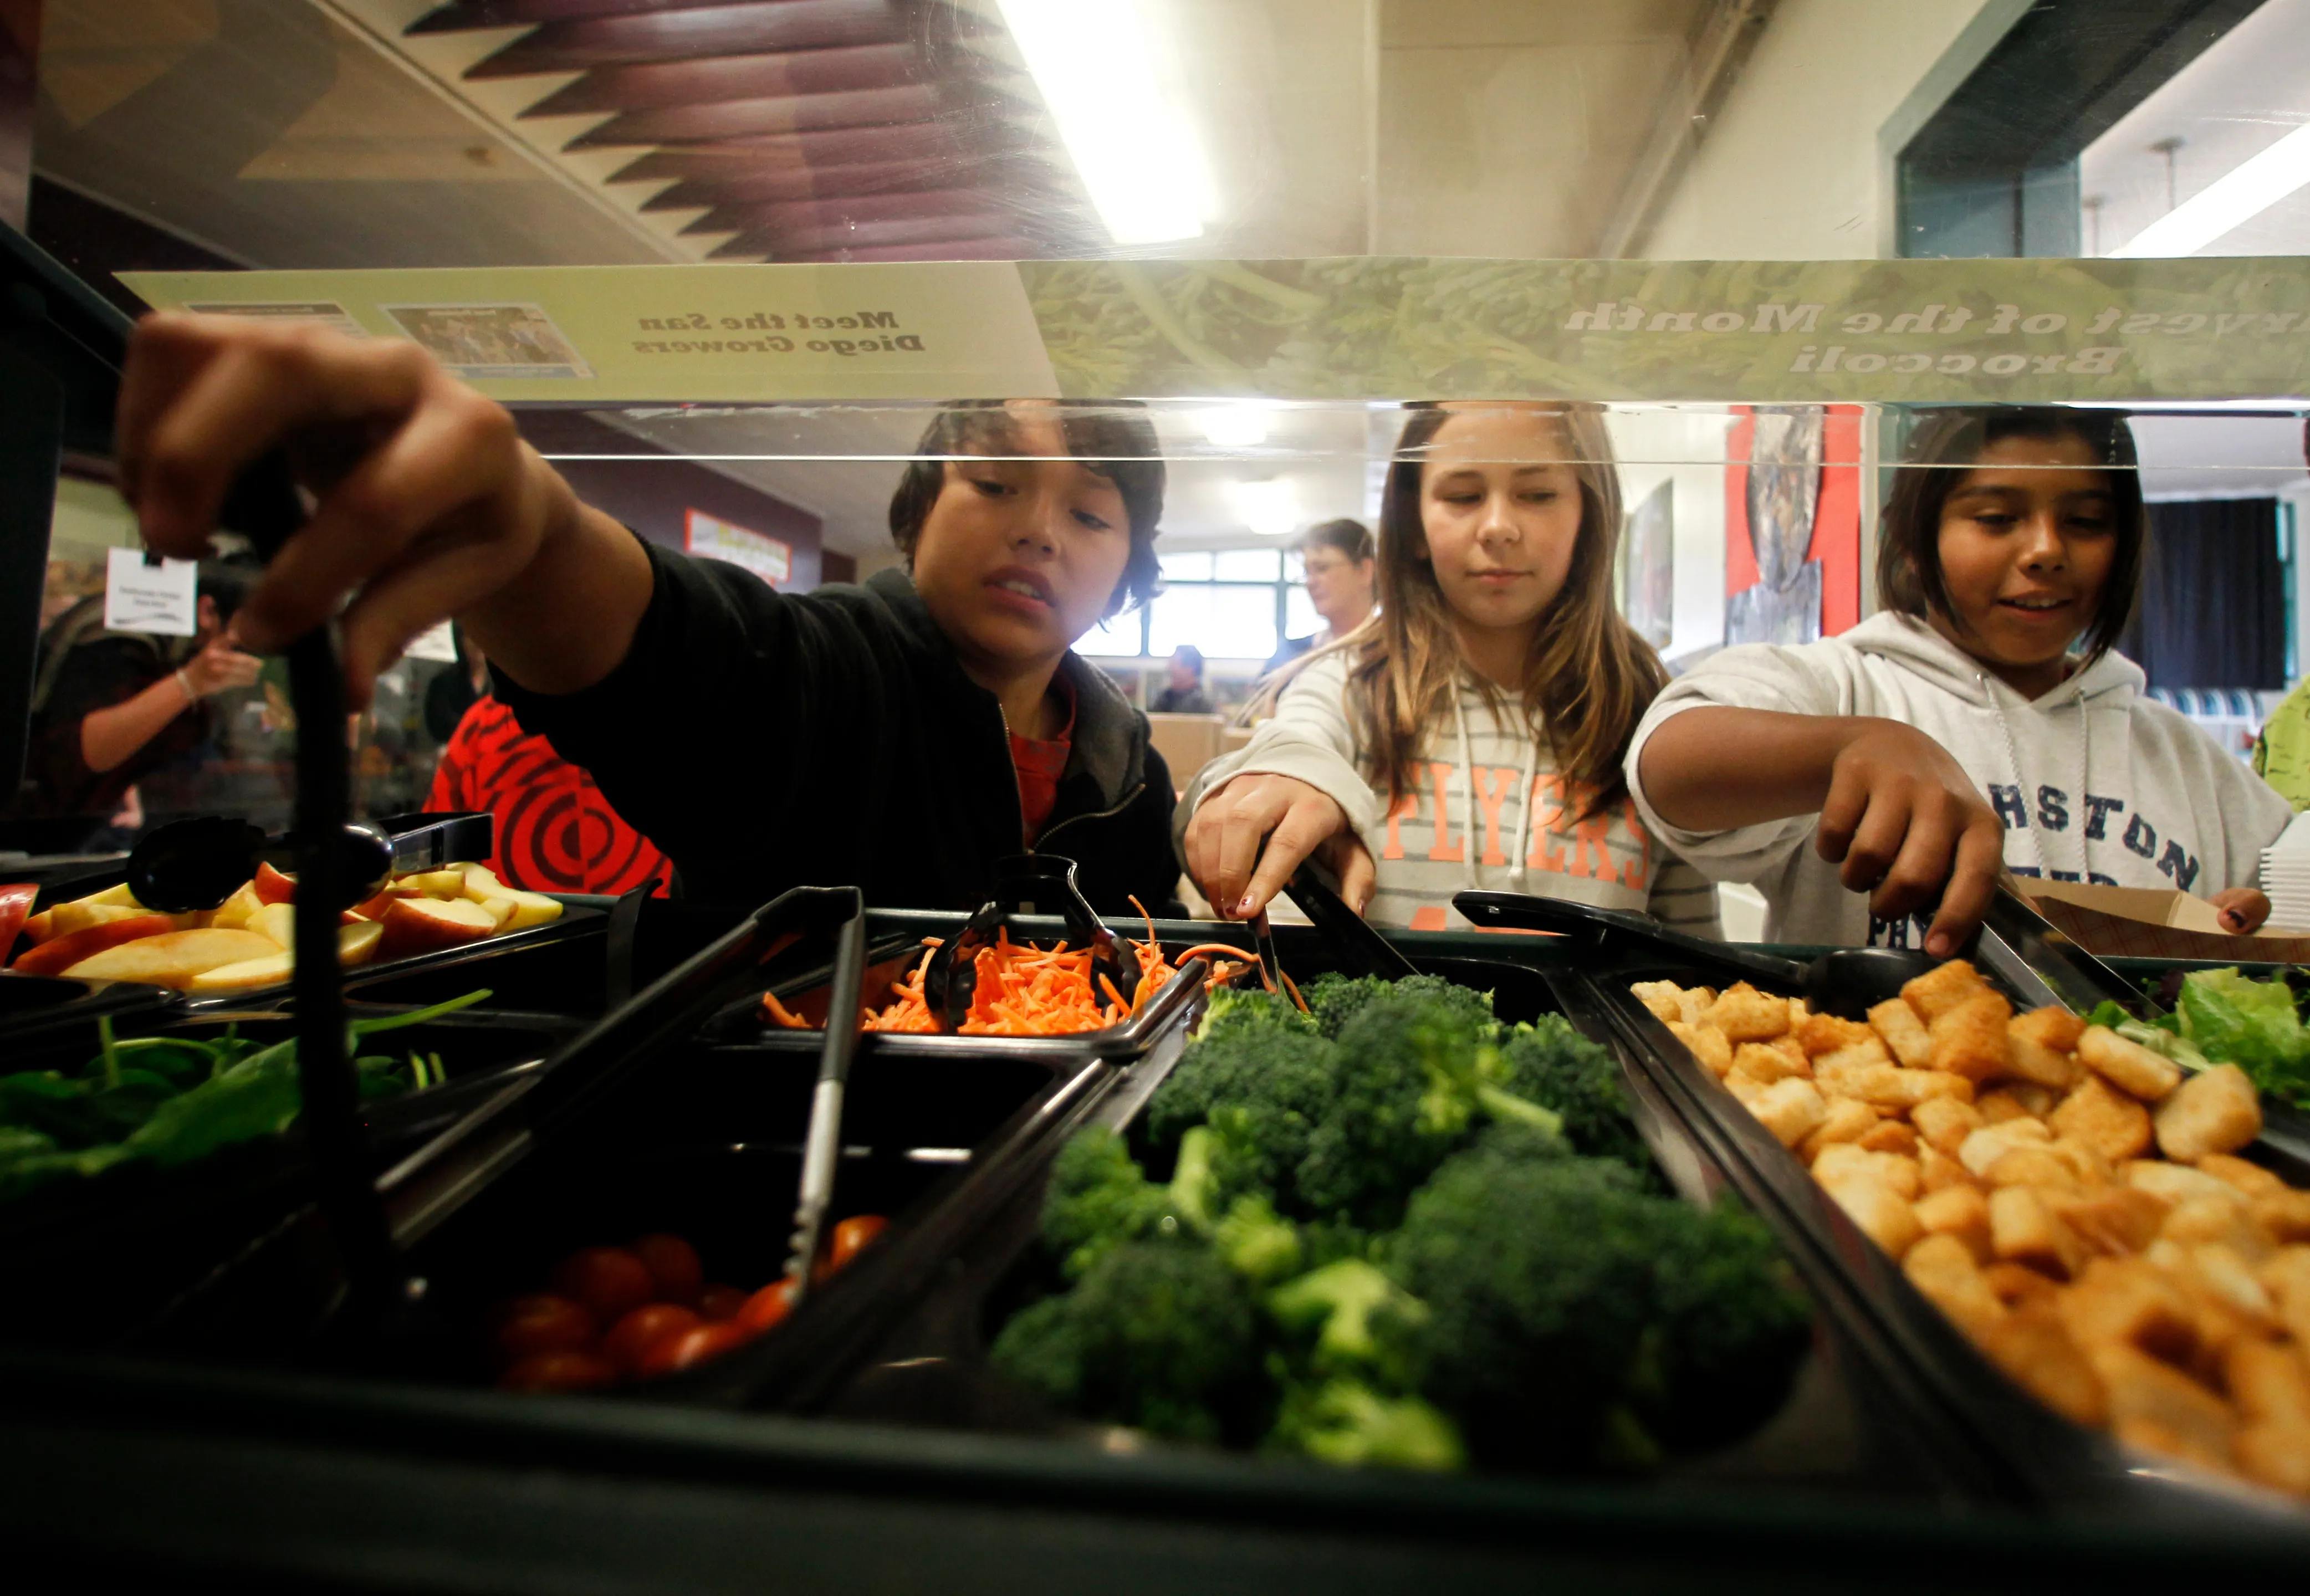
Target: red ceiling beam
x: 1009, y: 246
x: 786, y: 240
x: 740, y: 118
x: 802, y: 182
x: 850, y: 211
x: 461, y: 15
x: 763, y: 27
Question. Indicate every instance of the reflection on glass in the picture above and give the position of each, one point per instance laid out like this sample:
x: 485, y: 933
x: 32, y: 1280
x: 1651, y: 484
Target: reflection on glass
x: 1226, y: 622
x: 1187, y: 568
x: 1246, y: 565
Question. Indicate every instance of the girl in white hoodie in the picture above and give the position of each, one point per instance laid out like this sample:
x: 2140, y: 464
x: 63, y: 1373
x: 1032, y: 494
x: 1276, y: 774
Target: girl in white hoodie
x: 1471, y: 734
x: 1981, y: 718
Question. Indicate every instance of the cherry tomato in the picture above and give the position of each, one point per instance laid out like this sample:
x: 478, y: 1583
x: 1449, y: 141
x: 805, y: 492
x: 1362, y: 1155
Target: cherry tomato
x: 673, y: 1264
x: 559, y: 1371
x: 767, y: 1306
x: 528, y: 1326
x: 718, y: 1303
x: 851, y: 1237
x: 629, y: 1341
x: 694, y: 1346
x: 609, y: 1280
x: 15, y: 903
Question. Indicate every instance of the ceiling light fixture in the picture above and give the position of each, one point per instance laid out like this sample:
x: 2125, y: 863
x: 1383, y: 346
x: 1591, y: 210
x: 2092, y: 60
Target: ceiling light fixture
x: 2238, y: 196
x: 1126, y: 130
x: 1270, y: 506
x: 1234, y: 426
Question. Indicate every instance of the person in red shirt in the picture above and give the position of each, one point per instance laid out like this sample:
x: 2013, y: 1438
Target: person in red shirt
x: 555, y: 831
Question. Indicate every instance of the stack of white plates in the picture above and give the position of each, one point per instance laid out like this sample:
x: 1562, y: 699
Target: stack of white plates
x: 2285, y: 877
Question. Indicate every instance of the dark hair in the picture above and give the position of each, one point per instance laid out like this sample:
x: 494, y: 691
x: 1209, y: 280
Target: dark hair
x: 1116, y: 440
x: 1947, y: 444
x: 1193, y: 655
x: 1350, y: 537
x: 227, y: 583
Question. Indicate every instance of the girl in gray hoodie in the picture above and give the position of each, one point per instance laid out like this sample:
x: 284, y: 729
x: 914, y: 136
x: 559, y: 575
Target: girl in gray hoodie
x: 1980, y: 718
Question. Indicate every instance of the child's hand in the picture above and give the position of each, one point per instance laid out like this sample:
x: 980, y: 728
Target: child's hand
x: 428, y: 500
x: 1910, y: 827
x: 2240, y: 909
x: 1248, y: 836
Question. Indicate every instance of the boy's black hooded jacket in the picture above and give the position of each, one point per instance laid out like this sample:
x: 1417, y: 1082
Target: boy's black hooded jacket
x: 767, y: 740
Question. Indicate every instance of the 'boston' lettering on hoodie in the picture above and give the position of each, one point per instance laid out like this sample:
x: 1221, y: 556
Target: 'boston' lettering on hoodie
x: 2094, y: 781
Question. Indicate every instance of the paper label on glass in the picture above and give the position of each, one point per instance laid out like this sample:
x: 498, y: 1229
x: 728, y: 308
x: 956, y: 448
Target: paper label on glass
x: 161, y: 597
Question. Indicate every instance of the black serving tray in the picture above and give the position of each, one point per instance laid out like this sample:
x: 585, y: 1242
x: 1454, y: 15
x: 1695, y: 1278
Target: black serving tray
x: 906, y: 1344
x: 2040, y: 1460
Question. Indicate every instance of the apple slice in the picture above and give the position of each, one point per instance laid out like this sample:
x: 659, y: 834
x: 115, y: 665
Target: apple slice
x: 68, y: 917
x: 436, y: 883
x: 58, y: 954
x: 277, y: 921
x: 355, y: 945
x: 236, y: 912
x: 482, y: 882
x: 375, y: 907
x: 38, y: 928
x: 172, y: 959
x: 114, y: 896
x: 531, y: 909
x: 425, y: 925
x: 271, y: 886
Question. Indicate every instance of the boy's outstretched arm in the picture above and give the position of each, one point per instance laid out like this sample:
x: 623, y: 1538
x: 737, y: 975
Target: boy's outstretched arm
x: 428, y: 504
x: 1896, y: 809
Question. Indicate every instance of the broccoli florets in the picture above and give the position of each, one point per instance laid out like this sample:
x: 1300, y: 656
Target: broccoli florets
x: 1158, y: 1336
x: 1550, y: 1064
x: 1265, y: 1086
x: 1256, y: 1242
x: 1346, y: 1422
x: 1730, y: 1326
x: 1335, y: 999
x: 1359, y: 1321
x: 1098, y: 1199
x: 1415, y: 1078
x: 1566, y: 1303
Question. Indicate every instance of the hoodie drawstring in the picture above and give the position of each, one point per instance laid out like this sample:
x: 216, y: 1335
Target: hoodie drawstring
x: 2020, y: 783
x: 1472, y: 872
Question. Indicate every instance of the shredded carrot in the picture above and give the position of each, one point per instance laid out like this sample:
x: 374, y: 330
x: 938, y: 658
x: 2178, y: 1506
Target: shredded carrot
x: 1022, y: 990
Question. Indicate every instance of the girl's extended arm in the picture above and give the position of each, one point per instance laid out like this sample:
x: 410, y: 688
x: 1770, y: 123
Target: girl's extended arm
x: 428, y: 505
x: 111, y: 737
x: 1900, y: 813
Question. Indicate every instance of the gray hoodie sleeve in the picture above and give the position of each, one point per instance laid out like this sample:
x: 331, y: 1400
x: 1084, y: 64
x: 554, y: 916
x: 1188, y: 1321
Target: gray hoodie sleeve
x: 1310, y: 739
x: 1812, y: 680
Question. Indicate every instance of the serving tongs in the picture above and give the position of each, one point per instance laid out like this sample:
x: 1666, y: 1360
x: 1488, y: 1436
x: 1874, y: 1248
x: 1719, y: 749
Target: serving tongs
x: 192, y: 864
x: 1843, y: 982
x: 822, y: 1146
x: 1356, y: 941
x: 1024, y: 884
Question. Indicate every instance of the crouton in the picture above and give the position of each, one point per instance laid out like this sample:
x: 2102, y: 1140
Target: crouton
x: 1846, y: 1160
x: 2130, y: 1301
x: 2031, y: 1166
x: 1826, y: 1033
x: 2127, y: 1065
x: 2040, y: 1066
x: 2089, y: 1166
x: 1744, y: 1014
x: 1941, y: 989
x: 2115, y: 1220
x: 1666, y: 999
x: 2017, y: 1284
x: 2283, y: 1216
x: 1969, y: 1037
x: 2216, y: 1220
x: 2285, y: 1274
x: 1981, y: 1151
x: 2052, y: 1028
x: 1748, y: 1088
x: 2224, y: 1271
x: 1897, y: 1026
x: 1849, y: 1119
x: 1883, y: 1215
x: 1791, y: 1109
x: 2270, y: 1382
x: 1892, y: 1136
x: 1889, y: 1088
x: 1705, y: 1043
x: 1861, y: 1055
x: 2276, y: 1455
x: 2215, y: 1111
x: 1698, y: 1002
x: 1762, y: 1062
x: 2153, y: 1403
x: 2113, y: 1124
x: 2248, y: 1177
x: 1941, y: 1267
x: 1960, y: 1212
x: 2022, y: 1230
x: 1945, y: 1123
x: 2032, y: 1347
x: 1938, y: 1171
x: 2176, y: 1182
x: 2003, y: 1103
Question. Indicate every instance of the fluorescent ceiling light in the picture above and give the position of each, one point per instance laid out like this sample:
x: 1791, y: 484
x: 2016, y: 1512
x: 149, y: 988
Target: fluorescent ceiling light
x: 1128, y: 130
x: 1234, y: 426
x: 2238, y: 196
x: 1269, y: 507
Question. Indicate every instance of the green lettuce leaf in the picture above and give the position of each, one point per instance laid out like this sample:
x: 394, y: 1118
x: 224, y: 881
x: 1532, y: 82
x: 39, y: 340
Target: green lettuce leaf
x: 2234, y: 1019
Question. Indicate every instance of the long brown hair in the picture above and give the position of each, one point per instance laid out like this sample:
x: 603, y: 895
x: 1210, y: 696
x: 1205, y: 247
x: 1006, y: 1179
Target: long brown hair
x: 1588, y: 677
